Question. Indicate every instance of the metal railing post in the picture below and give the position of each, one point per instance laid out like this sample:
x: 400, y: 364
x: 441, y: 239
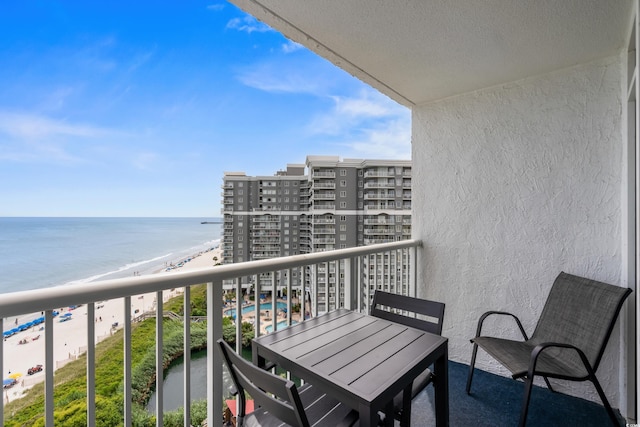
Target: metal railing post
x: 186, y: 318
x: 128, y: 369
x: 91, y: 365
x: 159, y: 360
x: 214, y: 360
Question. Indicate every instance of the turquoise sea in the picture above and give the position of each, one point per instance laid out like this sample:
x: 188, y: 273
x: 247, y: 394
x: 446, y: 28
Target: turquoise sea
x: 38, y: 253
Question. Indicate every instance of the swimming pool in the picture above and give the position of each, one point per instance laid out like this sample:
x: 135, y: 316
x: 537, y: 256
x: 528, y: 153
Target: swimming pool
x: 250, y: 308
x: 281, y: 324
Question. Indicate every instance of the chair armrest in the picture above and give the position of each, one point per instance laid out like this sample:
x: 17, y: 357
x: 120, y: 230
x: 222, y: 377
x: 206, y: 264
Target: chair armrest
x: 537, y: 350
x: 504, y: 313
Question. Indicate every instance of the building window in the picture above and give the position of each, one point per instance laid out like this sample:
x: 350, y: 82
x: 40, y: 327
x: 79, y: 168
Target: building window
x: 343, y: 183
x: 286, y: 184
x: 240, y: 192
x: 360, y: 184
x: 343, y: 218
x: 343, y: 194
x: 343, y: 205
x: 343, y: 172
x: 343, y: 227
x: 240, y: 238
x: 343, y: 237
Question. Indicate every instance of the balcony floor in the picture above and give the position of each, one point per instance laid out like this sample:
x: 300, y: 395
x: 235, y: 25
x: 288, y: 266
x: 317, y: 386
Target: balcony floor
x: 496, y: 401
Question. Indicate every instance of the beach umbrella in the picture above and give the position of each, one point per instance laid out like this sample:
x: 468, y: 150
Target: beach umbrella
x: 7, y: 381
x: 67, y: 315
x: 7, y: 333
x: 14, y: 330
x: 15, y: 375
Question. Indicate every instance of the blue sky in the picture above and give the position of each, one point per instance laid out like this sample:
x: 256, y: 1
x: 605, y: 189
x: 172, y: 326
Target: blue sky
x: 137, y: 108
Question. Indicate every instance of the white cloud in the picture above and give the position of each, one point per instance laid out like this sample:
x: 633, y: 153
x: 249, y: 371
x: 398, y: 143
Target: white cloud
x: 144, y: 160
x: 291, y: 46
x: 37, y: 138
x: 248, y: 24
x: 280, y: 78
x: 30, y: 126
x: 369, y: 124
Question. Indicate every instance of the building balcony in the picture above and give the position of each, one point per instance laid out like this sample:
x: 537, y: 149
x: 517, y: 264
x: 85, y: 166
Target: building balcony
x: 324, y: 196
x: 89, y: 298
x: 379, y: 184
x: 323, y: 174
x: 329, y: 206
x: 324, y: 185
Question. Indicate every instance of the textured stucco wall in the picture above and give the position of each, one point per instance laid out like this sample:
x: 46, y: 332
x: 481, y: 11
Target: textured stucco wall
x: 517, y: 183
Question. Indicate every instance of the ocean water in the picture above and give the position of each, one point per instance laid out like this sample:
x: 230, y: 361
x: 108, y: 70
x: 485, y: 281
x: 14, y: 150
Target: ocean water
x: 38, y: 253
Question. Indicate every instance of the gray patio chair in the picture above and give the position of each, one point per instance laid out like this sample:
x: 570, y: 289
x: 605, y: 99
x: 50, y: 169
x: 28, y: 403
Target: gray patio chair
x: 569, y: 339
x: 403, y: 309
x: 280, y: 402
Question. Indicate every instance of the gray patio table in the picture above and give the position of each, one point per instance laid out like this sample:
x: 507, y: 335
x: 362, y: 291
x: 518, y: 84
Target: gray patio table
x: 361, y: 360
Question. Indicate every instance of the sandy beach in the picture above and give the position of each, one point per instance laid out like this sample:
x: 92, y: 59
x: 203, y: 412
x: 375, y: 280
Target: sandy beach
x: 26, y: 349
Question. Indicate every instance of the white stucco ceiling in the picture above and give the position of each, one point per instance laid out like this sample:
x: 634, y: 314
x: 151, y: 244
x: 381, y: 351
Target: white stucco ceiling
x: 418, y: 51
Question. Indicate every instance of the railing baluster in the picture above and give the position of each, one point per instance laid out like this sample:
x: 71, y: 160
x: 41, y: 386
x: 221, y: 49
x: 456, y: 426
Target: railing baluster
x: 239, y: 315
x: 128, y: 370
x: 48, y: 368
x: 186, y: 319
x: 274, y: 301
x: 289, y: 297
x: 214, y: 360
x: 91, y: 365
x: 256, y: 301
x: 2, y: 367
x: 159, y: 361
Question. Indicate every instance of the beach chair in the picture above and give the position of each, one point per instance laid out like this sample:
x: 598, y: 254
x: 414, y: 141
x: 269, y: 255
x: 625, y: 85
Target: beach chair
x: 417, y: 313
x: 279, y: 401
x: 569, y: 339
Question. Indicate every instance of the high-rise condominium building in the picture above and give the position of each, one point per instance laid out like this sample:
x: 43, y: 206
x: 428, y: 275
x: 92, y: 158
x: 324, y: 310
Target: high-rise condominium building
x: 325, y: 204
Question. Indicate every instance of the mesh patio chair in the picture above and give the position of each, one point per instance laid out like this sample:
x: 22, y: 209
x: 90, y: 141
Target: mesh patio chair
x: 403, y: 309
x: 569, y: 339
x: 280, y: 402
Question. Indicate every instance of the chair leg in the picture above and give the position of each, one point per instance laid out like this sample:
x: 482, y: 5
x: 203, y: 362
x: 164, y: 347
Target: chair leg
x: 528, y: 384
x: 605, y: 402
x: 471, y: 367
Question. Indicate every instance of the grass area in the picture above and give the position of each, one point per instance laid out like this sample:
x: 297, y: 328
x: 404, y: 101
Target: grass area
x: 70, y: 380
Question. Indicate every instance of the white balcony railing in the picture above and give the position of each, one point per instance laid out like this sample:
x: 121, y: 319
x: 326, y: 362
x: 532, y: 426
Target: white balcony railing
x: 354, y: 290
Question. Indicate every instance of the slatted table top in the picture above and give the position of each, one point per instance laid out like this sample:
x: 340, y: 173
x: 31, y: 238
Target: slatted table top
x: 362, y: 360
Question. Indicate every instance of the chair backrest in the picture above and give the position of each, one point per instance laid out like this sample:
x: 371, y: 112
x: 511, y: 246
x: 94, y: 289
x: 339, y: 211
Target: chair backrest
x: 581, y: 312
x: 277, y: 395
x: 402, y: 309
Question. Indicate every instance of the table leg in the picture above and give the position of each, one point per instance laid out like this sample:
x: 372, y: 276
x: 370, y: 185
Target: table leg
x: 405, y: 421
x: 255, y: 358
x: 441, y: 385
x: 368, y: 417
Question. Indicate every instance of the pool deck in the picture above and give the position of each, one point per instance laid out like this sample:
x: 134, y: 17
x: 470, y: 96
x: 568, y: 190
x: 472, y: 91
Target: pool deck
x: 266, y: 313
